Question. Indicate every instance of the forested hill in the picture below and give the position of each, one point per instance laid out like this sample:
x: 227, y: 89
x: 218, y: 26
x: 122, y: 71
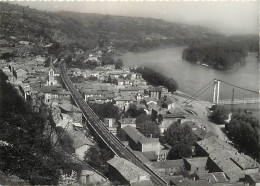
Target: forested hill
x: 135, y: 33
x: 225, y: 53
x: 87, y: 31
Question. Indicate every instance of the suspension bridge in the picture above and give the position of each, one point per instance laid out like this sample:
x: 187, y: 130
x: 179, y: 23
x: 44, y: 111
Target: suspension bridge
x: 224, y: 93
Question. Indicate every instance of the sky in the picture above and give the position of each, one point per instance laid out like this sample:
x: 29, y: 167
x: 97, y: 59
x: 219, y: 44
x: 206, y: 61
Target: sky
x: 229, y: 17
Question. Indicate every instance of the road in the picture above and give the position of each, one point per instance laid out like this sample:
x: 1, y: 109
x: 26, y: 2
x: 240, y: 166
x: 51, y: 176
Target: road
x: 199, y: 107
x: 99, y: 127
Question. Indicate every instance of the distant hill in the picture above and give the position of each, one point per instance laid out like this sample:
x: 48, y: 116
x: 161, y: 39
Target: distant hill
x: 88, y: 31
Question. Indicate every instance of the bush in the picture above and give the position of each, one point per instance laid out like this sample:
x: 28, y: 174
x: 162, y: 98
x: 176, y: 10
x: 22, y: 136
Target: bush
x: 219, y: 114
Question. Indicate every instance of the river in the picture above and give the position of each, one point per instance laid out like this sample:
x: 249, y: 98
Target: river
x: 191, y: 77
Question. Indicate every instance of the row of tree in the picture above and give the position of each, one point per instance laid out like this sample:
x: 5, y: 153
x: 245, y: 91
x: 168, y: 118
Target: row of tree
x: 157, y: 79
x: 243, y: 130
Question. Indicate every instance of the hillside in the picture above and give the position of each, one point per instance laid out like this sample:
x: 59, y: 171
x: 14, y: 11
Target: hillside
x: 87, y: 31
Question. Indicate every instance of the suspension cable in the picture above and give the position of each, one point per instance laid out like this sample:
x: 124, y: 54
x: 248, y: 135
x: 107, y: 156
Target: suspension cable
x: 198, y: 95
x: 239, y: 87
x: 194, y: 95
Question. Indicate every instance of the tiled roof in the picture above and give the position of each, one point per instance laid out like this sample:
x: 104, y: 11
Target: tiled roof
x: 150, y: 155
x: 199, y: 162
x: 124, y: 98
x: 155, y: 89
x: 127, y: 169
x: 79, y: 139
x: 216, y: 177
x: 54, y: 90
x: 127, y: 120
x: 168, y: 164
x: 135, y: 135
x: 227, y: 158
x: 130, y: 89
x: 69, y: 107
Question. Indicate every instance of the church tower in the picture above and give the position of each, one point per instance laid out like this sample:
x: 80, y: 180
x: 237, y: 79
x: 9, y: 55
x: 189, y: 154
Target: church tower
x: 51, y: 80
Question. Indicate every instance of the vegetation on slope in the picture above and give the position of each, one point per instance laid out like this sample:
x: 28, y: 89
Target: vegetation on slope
x: 88, y: 31
x: 26, y: 147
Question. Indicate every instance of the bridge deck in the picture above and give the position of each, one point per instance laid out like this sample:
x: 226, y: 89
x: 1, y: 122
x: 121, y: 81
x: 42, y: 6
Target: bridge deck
x: 238, y: 101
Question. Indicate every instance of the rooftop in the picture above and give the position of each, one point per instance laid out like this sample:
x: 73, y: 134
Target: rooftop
x: 174, y: 115
x: 155, y: 89
x: 79, y: 139
x: 124, y: 98
x: 135, y: 135
x: 227, y: 158
x: 199, y: 162
x: 69, y: 107
x: 127, y: 120
x: 168, y: 164
x: 54, y: 90
x: 127, y: 169
x: 216, y: 177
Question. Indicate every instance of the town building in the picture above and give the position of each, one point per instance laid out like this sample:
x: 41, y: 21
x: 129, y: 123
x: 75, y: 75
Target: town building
x: 225, y: 158
x: 131, y: 91
x: 111, y: 125
x: 80, y: 143
x: 55, y: 93
x: 168, y: 119
x: 123, y: 102
x: 155, y: 92
x: 169, y: 167
x: 124, y: 172
x: 253, y: 179
x: 138, y: 141
x: 52, y: 76
x: 126, y: 122
x: 166, y: 102
x: 74, y: 112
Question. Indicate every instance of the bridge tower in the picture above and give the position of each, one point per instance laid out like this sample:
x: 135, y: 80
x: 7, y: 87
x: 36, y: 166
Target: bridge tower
x: 216, y: 89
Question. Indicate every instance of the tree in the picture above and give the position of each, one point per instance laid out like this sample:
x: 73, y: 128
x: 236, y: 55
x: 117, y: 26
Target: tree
x: 156, y: 78
x: 97, y: 158
x: 149, y: 128
x: 178, y: 133
x: 31, y: 150
x: 141, y: 119
x: 7, y: 55
x: 106, y: 110
x: 119, y: 64
x: 114, y: 81
x: 111, y: 111
x: 179, y: 151
x: 133, y: 112
x: 181, y: 138
x: 109, y: 80
x: 219, y: 114
x: 55, y: 48
x: 14, y: 74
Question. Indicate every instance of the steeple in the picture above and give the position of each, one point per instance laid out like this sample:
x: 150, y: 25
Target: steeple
x: 51, y: 80
x: 51, y: 64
